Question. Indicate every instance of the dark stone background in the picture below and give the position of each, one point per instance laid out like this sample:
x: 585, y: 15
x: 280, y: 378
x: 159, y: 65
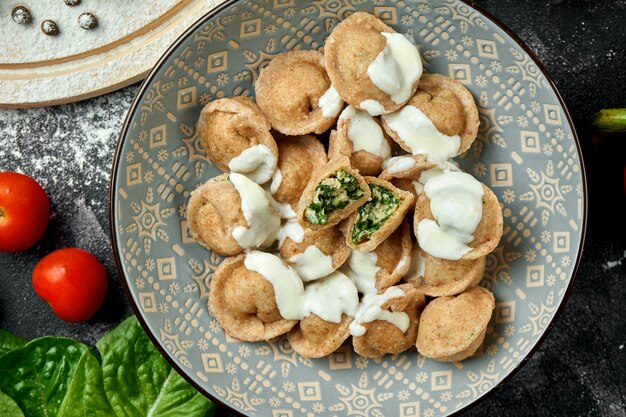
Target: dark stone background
x: 580, y: 370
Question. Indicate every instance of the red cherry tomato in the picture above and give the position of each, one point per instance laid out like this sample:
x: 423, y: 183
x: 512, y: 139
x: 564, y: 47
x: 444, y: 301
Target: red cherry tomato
x: 72, y: 282
x: 24, y: 212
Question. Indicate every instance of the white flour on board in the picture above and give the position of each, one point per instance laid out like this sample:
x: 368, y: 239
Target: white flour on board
x: 116, y: 19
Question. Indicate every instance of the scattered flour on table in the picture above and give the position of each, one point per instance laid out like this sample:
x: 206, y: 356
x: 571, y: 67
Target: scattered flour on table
x: 617, y: 262
x: 69, y: 151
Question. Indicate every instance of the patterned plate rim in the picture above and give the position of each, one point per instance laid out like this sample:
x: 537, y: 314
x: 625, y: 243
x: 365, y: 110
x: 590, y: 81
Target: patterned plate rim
x: 117, y: 159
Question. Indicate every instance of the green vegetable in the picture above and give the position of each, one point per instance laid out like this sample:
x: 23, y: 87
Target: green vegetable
x: 9, y: 342
x: 138, y: 380
x: 59, y: 377
x: 373, y: 214
x: 49, y: 377
x: 610, y: 120
x: 8, y: 407
x: 333, y: 193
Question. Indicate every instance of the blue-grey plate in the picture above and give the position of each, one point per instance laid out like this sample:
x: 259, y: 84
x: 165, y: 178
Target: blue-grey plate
x: 526, y: 151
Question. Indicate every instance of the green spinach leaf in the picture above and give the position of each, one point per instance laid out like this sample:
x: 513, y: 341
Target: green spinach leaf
x: 9, y: 342
x: 8, y: 407
x: 85, y: 395
x: 140, y: 383
x: 47, y: 376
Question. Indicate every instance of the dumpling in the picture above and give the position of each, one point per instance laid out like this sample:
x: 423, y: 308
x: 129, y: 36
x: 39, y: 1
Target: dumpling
x: 331, y: 195
x: 243, y: 302
x: 373, y: 68
x: 452, y: 187
x: 384, y: 266
x: 296, y: 95
x: 441, y: 277
x: 440, y: 121
x: 230, y: 213
x: 320, y: 253
x: 379, y: 217
x: 236, y: 137
x: 331, y: 302
x: 314, y: 337
x: 383, y: 337
x: 360, y: 137
x: 300, y: 157
x: 453, y: 328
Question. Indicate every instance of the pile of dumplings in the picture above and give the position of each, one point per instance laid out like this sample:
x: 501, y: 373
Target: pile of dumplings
x: 340, y: 210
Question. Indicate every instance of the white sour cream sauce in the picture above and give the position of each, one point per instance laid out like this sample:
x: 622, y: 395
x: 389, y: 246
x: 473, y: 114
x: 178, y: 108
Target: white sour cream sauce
x: 257, y: 163
x: 398, y: 164
x: 312, y: 263
x: 456, y: 203
x: 329, y: 297
x: 403, y: 266
x: 362, y: 269
x: 370, y: 310
x: 396, y: 68
x: 365, y: 134
x: 373, y: 107
x: 263, y: 221
x: 290, y: 229
x: 419, y: 133
x: 277, y: 179
x: 330, y: 102
x: 418, y: 265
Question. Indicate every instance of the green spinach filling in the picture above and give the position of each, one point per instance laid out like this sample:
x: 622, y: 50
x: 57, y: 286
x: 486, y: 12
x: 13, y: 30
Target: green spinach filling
x: 373, y: 214
x: 333, y: 193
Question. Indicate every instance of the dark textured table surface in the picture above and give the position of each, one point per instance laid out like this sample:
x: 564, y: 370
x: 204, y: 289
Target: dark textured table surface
x: 580, y: 370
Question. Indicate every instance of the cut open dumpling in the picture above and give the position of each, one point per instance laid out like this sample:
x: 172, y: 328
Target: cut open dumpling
x: 331, y: 195
x: 379, y: 217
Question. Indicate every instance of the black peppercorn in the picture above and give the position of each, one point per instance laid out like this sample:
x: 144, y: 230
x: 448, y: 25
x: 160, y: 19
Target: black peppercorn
x: 87, y: 21
x: 21, y: 15
x: 49, y: 27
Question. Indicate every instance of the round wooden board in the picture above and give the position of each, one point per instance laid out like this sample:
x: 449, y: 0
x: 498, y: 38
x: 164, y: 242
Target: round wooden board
x: 101, y: 70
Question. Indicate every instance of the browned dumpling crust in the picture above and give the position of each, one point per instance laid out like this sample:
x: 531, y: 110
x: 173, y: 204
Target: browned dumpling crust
x: 453, y: 328
x: 382, y: 337
x: 299, y: 158
x: 208, y: 220
x: 330, y: 242
x: 449, y: 106
x: 366, y: 162
x: 488, y: 232
x: 289, y: 89
x: 394, y: 257
x: 229, y: 126
x: 326, y: 185
x: 442, y: 277
x: 243, y: 302
x: 314, y: 337
x: 385, y: 215
x: 350, y: 49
